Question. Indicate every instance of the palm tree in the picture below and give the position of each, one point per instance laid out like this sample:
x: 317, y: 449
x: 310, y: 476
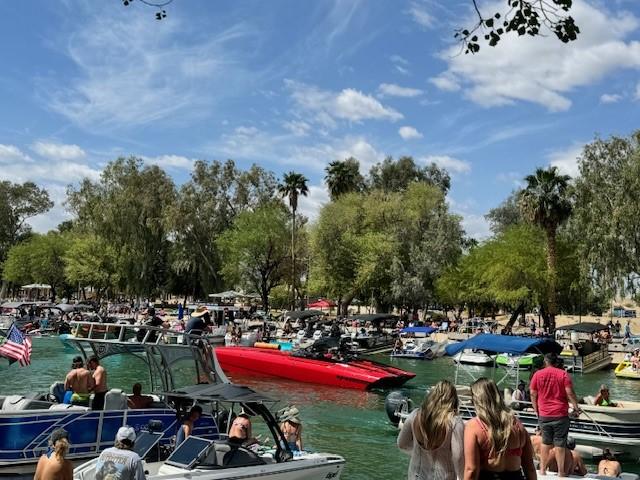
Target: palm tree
x: 545, y: 202
x: 293, y: 185
x: 343, y: 177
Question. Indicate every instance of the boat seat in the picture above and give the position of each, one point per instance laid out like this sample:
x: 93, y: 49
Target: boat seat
x: 589, y: 400
x: 67, y: 406
x: 56, y: 391
x: 115, y: 399
x: 226, y: 455
x: 14, y: 403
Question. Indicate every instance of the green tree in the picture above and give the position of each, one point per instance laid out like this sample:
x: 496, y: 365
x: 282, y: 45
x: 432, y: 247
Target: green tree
x: 18, y: 203
x: 395, y: 175
x: 606, y: 217
x: 255, y: 249
x: 127, y: 207
x: 343, y: 177
x: 505, y: 215
x: 546, y: 202
x: 293, y: 185
x: 206, y: 207
x: 92, y: 261
x: 38, y: 260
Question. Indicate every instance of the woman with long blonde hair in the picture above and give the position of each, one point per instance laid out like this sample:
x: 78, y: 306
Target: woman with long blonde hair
x: 53, y: 465
x: 433, y: 436
x: 496, y: 444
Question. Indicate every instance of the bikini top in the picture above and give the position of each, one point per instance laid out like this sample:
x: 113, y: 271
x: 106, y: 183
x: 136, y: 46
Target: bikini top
x: 510, y: 452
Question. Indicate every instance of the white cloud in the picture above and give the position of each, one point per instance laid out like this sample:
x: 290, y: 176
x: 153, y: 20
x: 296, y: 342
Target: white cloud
x: 402, y: 70
x: 170, y: 161
x: 514, y: 178
x: 311, y: 204
x: 348, y: 104
x: 475, y: 226
x: 393, y: 90
x: 409, y: 133
x: 399, y: 59
x: 58, y: 151
x: 567, y: 160
x: 11, y: 154
x: 132, y: 72
x: 446, y: 81
x: 610, y: 98
x: 420, y: 15
x: 297, y: 128
x: 451, y: 164
x: 540, y: 69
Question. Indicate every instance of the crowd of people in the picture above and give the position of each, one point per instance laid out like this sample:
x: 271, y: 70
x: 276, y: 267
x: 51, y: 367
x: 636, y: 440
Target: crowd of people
x: 494, y: 444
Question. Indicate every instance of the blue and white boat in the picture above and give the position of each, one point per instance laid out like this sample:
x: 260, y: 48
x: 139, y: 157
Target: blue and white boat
x: 26, y: 422
x: 416, y: 344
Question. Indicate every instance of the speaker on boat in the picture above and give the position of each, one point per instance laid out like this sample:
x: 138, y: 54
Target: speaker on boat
x: 394, y: 403
x: 155, y: 426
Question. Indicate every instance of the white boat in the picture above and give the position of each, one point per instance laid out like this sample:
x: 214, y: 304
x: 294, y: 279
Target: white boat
x: 473, y: 357
x: 220, y: 458
x: 417, y: 344
x: 581, y: 351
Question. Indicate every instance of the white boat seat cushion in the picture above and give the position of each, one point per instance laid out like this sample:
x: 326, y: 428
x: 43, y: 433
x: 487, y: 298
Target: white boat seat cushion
x: 56, y: 390
x: 13, y: 403
x: 66, y: 406
x: 115, y: 399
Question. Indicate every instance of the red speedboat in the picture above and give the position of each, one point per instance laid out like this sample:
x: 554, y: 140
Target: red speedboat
x: 354, y: 373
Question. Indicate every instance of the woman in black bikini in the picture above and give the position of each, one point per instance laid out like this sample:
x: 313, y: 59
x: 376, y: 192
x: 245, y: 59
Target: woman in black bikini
x: 496, y: 444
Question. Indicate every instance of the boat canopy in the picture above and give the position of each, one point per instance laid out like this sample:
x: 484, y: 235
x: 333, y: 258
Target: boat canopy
x: 586, y: 327
x: 26, y: 304
x: 222, y: 392
x: 425, y: 330
x: 505, y: 344
x: 302, y: 314
x: 373, y: 317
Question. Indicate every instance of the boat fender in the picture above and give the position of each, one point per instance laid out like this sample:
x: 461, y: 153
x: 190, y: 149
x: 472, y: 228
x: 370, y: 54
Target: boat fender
x: 269, y: 346
x: 396, y: 402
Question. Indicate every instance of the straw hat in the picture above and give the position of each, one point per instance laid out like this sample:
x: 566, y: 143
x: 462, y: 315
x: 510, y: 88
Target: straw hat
x: 200, y: 311
x: 289, y: 414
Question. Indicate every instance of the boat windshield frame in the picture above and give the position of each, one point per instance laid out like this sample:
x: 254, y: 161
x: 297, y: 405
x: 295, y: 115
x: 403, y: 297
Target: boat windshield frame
x: 155, y: 349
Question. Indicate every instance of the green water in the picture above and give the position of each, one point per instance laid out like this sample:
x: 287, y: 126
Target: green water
x: 348, y: 422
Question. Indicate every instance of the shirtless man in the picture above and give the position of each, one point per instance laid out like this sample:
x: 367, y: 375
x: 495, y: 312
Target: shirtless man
x: 80, y: 382
x: 100, y: 380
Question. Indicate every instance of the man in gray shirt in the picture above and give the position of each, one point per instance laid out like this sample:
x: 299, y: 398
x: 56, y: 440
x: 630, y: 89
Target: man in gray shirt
x: 120, y: 462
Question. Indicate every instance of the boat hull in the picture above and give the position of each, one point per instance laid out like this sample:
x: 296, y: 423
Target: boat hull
x: 24, y: 434
x: 356, y: 374
x: 525, y: 362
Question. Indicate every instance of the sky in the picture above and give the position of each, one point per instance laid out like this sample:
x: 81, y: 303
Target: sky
x: 294, y: 85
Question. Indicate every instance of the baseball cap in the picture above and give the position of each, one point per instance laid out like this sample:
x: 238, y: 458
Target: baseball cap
x: 126, y: 433
x: 59, y: 434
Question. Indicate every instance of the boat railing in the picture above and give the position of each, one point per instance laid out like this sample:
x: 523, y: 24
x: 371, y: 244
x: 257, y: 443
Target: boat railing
x: 467, y: 409
x: 124, y: 332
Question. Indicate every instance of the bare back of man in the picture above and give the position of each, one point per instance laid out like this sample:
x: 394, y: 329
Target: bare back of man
x: 53, y: 468
x: 79, y: 380
x: 100, y: 379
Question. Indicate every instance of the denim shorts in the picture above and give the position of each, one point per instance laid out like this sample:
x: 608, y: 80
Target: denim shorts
x: 555, y: 431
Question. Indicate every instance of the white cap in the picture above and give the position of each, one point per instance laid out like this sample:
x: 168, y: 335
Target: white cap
x: 126, y: 433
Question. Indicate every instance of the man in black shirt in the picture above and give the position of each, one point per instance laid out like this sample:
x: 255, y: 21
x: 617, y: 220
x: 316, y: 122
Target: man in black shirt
x: 199, y: 321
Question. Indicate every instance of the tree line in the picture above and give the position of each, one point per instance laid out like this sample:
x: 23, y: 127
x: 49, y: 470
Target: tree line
x: 386, y: 238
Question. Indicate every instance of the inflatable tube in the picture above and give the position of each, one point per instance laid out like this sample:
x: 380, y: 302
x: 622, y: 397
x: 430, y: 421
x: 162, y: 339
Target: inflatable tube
x: 270, y: 346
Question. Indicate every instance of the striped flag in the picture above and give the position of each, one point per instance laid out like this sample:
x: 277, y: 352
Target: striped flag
x: 16, y: 346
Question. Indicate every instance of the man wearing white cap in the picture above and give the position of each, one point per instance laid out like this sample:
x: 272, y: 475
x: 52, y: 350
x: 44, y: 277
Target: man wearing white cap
x: 120, y: 462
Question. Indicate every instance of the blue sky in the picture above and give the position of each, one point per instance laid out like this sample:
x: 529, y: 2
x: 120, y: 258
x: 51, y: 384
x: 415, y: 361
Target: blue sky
x: 293, y: 85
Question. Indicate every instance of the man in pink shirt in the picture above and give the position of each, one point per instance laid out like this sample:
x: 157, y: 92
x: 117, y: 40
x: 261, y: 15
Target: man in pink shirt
x: 551, y: 391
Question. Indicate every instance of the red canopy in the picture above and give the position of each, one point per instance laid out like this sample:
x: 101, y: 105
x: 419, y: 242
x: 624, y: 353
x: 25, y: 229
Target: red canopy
x: 321, y: 304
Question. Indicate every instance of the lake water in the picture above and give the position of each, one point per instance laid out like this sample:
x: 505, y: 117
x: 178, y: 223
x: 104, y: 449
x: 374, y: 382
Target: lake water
x: 347, y: 422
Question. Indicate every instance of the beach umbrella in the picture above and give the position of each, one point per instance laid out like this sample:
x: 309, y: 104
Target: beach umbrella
x: 322, y: 303
x: 35, y: 286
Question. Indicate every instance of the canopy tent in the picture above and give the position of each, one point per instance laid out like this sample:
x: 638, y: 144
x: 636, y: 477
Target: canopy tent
x: 322, y: 303
x: 515, y: 345
x: 227, y: 294
x: 425, y: 330
x: 587, y: 327
x: 374, y: 318
x: 301, y: 314
x: 36, y: 286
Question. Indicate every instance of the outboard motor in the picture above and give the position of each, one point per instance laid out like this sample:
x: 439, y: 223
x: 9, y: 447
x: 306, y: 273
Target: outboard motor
x: 395, y: 403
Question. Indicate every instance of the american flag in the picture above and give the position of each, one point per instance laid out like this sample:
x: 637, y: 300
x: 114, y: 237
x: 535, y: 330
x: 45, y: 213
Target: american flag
x: 16, y: 346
